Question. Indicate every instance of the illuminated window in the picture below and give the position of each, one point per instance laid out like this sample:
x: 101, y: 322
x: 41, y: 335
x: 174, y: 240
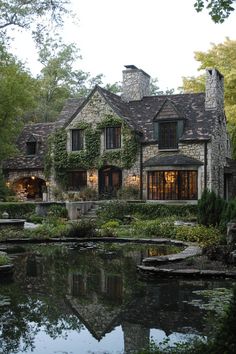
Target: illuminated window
x: 172, y: 185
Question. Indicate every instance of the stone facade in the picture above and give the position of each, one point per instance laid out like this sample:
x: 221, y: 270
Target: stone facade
x: 197, y: 122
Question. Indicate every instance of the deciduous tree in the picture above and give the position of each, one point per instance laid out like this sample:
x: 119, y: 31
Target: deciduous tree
x: 219, y: 10
x: 35, y: 15
x: 16, y: 97
x: 223, y: 57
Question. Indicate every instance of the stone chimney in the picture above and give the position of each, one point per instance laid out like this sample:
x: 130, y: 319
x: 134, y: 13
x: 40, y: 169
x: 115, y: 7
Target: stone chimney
x: 214, y: 90
x: 136, y: 84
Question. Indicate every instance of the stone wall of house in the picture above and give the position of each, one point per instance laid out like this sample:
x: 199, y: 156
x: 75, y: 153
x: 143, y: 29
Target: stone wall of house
x: 136, y: 84
x: 16, y: 175
x: 194, y: 150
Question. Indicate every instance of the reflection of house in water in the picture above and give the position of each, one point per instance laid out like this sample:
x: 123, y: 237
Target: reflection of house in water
x: 103, y: 292
x: 99, y: 302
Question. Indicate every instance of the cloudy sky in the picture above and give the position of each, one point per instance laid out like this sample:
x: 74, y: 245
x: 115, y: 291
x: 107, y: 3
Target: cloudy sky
x: 158, y: 36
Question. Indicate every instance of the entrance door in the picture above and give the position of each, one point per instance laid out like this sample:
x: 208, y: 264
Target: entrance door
x: 110, y: 180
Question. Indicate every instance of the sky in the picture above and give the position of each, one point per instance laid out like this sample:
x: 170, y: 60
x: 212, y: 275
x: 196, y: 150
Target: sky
x: 158, y: 36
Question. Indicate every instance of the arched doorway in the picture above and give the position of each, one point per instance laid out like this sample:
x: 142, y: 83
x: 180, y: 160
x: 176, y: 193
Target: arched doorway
x: 110, y: 181
x: 29, y: 188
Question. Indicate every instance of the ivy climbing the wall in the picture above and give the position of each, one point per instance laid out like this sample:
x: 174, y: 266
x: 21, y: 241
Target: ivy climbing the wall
x: 93, y: 156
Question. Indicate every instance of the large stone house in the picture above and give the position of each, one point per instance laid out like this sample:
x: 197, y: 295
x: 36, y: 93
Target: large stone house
x: 168, y: 147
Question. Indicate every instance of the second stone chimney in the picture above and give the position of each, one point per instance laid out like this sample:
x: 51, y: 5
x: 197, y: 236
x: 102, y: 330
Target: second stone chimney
x: 136, y: 84
x: 214, y: 90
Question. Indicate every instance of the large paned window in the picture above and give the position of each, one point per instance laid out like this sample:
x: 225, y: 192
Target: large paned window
x: 113, y: 137
x: 77, y: 139
x: 172, y: 185
x: 167, y: 135
x: 77, y: 180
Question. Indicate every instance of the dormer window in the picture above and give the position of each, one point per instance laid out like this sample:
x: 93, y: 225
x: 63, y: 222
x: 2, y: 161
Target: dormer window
x: 113, y: 137
x: 167, y: 136
x: 77, y: 139
x: 31, y: 147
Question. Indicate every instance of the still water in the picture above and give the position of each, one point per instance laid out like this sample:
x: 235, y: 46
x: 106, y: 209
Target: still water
x: 80, y: 299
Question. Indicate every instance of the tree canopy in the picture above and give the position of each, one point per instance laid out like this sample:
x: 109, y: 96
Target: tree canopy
x: 223, y: 57
x: 219, y: 10
x: 16, y: 97
x: 35, y: 15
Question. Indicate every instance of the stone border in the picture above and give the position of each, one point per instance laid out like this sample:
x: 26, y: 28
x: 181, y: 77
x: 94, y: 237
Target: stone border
x: 144, y: 270
x: 6, y: 270
x: 196, y: 273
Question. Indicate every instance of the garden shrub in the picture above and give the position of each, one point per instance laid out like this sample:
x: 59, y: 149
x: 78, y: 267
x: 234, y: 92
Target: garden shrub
x: 83, y: 228
x: 128, y: 193
x: 210, y: 208
x: 4, y: 259
x: 17, y: 210
x: 155, y: 228
x: 58, y: 210
x: 109, y: 228
x: 120, y: 209
x: 228, y: 214
x: 205, y: 236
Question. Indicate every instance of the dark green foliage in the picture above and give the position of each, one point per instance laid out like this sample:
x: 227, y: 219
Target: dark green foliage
x: 210, y: 208
x: 219, y: 10
x: 120, y: 209
x: 83, y: 228
x: 130, y: 192
x: 225, y: 339
x: 229, y: 213
x: 58, y: 210
x: 3, y: 189
x: 17, y: 210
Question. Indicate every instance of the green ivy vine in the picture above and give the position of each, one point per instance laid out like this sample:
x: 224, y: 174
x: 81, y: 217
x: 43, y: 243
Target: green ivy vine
x: 90, y: 157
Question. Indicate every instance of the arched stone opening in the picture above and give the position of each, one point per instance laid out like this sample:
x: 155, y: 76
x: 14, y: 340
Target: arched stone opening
x: 29, y: 188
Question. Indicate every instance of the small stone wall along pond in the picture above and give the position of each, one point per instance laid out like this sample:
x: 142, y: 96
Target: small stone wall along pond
x: 87, y: 298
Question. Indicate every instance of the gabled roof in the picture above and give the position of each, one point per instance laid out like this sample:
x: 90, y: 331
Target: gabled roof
x: 168, y: 111
x: 40, y: 133
x: 172, y: 160
x: 115, y: 103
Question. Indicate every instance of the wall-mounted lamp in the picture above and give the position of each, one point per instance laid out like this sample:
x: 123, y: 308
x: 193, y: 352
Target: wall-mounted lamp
x: 47, y: 183
x: 7, y: 184
x: 91, y: 178
x: 33, y: 177
x: 134, y: 177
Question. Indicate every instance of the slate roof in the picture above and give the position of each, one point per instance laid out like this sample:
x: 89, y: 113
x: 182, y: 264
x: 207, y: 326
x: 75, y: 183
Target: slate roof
x: 71, y: 106
x: 140, y: 114
x: 171, y: 160
x: 40, y: 132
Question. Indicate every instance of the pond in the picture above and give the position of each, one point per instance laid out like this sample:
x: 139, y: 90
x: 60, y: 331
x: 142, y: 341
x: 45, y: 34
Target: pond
x: 87, y: 298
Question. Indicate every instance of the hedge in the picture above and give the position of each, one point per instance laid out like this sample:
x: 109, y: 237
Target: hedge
x: 17, y: 210
x: 120, y: 209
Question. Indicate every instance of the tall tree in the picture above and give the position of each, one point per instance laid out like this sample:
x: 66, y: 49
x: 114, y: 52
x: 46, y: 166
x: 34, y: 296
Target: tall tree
x: 16, y: 97
x: 35, y: 15
x: 219, y: 10
x: 59, y: 79
x: 223, y: 57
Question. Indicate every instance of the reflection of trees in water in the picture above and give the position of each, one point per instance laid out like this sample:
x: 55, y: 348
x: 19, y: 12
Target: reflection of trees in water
x: 27, y: 315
